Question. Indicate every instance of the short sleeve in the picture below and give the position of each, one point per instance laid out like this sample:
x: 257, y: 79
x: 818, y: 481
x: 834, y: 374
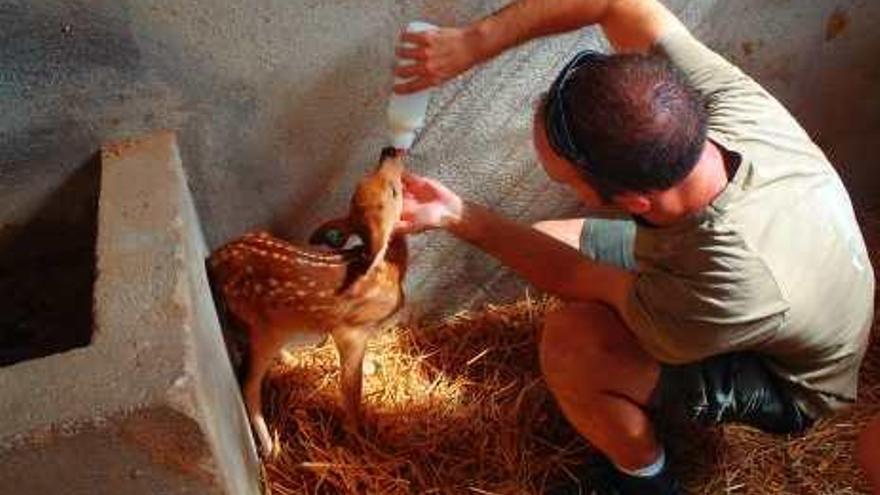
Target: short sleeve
x: 729, y: 304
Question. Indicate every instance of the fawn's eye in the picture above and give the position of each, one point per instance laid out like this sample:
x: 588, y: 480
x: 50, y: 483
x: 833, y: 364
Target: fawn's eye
x: 394, y: 192
x: 335, y: 238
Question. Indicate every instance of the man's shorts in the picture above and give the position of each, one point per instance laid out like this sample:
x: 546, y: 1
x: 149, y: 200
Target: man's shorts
x: 726, y: 388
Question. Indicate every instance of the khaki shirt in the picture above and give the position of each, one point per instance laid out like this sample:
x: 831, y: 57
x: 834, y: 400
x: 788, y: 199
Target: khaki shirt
x: 775, y: 264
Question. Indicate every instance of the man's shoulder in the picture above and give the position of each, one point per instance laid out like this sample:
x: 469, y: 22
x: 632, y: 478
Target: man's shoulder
x: 800, y: 228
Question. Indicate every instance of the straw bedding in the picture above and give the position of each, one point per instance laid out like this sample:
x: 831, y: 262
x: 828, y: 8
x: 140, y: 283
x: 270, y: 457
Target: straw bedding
x: 459, y: 407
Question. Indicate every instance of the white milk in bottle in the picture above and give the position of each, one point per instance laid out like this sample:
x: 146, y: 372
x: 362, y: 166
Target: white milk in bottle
x: 406, y: 113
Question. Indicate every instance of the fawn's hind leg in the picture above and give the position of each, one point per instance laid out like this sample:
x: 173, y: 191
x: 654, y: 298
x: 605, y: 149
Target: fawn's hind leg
x: 263, y: 349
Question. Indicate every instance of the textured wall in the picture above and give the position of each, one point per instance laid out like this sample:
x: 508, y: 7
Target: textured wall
x: 280, y: 105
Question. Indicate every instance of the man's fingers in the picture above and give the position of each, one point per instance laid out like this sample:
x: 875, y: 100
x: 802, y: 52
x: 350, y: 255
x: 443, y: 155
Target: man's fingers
x: 407, y: 214
x: 416, y: 38
x: 423, y: 189
x: 409, y: 178
x: 419, y: 54
x: 416, y: 186
x: 417, y: 181
x: 422, y: 194
x: 407, y: 71
x: 411, y: 86
x: 411, y: 210
x: 405, y: 227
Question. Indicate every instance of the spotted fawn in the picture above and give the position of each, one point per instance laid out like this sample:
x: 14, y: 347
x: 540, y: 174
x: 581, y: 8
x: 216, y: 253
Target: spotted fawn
x: 275, y: 289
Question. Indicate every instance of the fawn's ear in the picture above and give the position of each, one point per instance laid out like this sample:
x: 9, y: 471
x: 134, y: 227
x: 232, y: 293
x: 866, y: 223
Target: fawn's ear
x: 334, y: 233
x: 375, y: 229
x: 376, y: 239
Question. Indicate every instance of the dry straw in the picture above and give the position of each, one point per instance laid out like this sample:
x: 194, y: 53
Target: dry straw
x: 459, y: 407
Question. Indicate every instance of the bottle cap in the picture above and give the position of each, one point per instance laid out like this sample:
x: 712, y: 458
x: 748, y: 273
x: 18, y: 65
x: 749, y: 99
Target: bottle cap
x: 403, y: 140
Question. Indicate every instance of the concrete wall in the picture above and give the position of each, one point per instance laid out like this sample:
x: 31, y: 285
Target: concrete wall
x: 280, y: 105
x: 151, y: 405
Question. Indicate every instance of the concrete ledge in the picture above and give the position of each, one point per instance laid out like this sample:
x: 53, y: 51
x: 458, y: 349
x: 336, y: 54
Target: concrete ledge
x: 151, y: 405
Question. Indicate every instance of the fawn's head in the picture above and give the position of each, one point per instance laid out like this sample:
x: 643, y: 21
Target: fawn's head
x: 374, y: 209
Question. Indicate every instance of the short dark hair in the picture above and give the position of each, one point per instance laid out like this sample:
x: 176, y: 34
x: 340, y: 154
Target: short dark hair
x: 627, y: 122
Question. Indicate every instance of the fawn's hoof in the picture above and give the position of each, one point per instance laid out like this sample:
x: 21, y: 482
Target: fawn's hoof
x: 265, y: 443
x: 267, y: 449
x: 370, y: 367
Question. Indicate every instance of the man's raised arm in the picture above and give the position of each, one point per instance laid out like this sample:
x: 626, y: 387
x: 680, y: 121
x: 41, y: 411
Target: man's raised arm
x: 630, y: 25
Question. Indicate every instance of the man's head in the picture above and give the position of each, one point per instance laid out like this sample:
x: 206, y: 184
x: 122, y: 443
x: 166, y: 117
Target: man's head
x: 617, y: 126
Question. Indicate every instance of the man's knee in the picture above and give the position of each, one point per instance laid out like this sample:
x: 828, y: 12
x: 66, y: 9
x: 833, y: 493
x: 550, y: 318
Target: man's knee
x: 567, y: 231
x: 571, y: 343
x: 586, y: 347
x: 543, y: 225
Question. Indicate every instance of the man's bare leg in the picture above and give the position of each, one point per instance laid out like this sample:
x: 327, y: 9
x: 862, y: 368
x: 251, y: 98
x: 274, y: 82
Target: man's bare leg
x: 599, y: 373
x: 567, y: 230
x: 602, y: 380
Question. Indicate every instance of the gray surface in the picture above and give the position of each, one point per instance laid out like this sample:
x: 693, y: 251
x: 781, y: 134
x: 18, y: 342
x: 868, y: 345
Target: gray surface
x: 151, y: 405
x: 280, y: 105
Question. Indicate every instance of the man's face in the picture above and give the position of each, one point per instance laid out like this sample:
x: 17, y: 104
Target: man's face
x: 557, y: 167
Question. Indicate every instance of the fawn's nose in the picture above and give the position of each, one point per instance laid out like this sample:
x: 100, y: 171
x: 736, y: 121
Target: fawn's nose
x: 390, y: 152
x: 391, y: 164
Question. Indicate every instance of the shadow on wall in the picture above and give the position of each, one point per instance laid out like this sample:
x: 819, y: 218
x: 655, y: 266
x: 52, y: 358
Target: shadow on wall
x: 47, y: 271
x: 297, y: 148
x: 317, y: 123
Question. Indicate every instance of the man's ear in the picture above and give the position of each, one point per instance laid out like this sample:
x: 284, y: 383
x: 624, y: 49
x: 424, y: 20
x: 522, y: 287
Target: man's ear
x: 334, y: 233
x: 633, y: 202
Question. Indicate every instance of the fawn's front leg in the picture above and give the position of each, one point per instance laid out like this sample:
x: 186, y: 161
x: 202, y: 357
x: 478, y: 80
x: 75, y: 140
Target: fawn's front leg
x: 351, y: 344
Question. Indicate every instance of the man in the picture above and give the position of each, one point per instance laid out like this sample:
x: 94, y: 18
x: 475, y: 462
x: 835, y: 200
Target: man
x: 741, y: 289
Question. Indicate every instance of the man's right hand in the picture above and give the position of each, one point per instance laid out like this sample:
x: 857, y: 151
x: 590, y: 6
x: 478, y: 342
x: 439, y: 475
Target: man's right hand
x: 427, y: 204
x: 436, y: 56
